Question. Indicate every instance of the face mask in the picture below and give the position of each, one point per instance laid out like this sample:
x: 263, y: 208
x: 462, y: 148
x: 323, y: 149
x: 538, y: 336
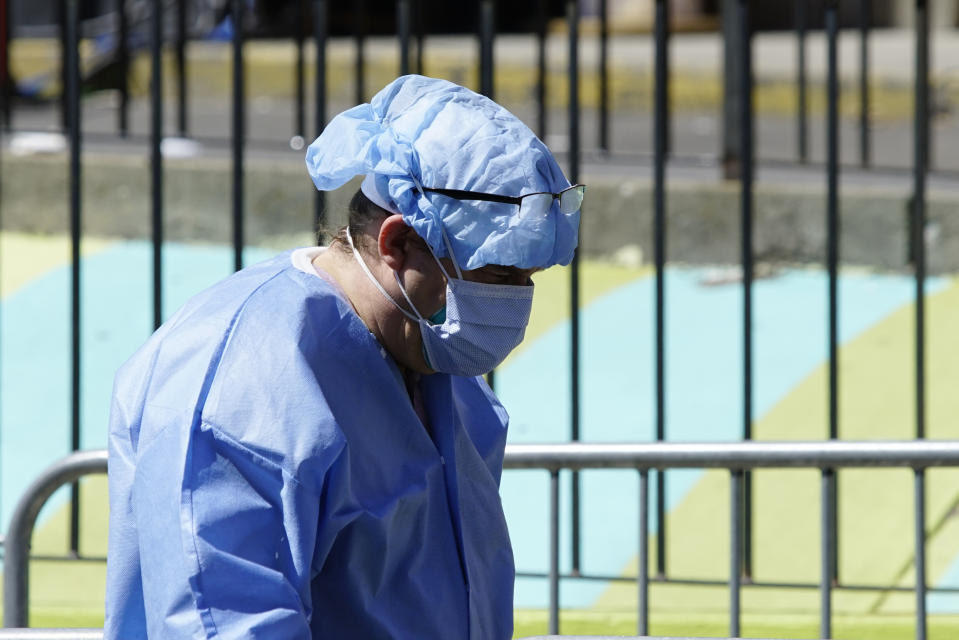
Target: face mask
x: 483, y: 322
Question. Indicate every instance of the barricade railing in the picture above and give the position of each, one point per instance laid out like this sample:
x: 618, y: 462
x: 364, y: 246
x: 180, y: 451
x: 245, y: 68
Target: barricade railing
x: 737, y: 458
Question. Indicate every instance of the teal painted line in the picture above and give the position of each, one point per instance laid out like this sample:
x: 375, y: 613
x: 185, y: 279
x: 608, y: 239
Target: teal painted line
x: 946, y: 602
x: 116, y: 317
x: 703, y: 386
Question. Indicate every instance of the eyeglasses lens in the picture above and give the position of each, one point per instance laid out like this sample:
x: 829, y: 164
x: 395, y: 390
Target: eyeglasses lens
x: 536, y: 205
x: 571, y: 200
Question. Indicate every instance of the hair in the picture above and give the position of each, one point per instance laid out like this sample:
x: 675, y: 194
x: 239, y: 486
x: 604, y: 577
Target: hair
x: 362, y: 213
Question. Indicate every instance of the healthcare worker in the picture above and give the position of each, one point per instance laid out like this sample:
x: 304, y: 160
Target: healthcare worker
x: 304, y: 450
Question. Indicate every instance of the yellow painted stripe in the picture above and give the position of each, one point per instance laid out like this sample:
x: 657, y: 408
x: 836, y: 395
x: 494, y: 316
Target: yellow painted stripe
x: 877, y: 373
x: 551, y: 303
x: 26, y: 257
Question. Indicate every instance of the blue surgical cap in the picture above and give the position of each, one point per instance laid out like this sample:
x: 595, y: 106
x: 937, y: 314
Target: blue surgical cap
x: 427, y: 132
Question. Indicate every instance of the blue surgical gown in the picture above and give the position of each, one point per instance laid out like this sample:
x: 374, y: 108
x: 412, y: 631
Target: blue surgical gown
x: 269, y: 478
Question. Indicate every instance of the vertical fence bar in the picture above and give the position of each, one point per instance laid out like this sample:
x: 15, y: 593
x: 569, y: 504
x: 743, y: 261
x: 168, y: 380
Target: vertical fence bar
x: 239, y: 131
x: 62, y: 10
x: 865, y: 16
x: 487, y: 27
x: 320, y: 37
x: 920, y: 156
x: 156, y: 158
x: 181, y: 73
x: 72, y: 93
x: 746, y: 202
x: 603, y: 141
x: 6, y: 81
x: 920, y: 497
x: 731, y: 143
x: 735, y: 548
x: 920, y: 161
x: 801, y: 106
x: 659, y: 247
x: 554, y: 551
x: 832, y: 240
x: 299, y: 72
x: 123, y: 58
x: 403, y: 31
x: 420, y: 29
x: 827, y: 546
x: 541, y: 69
x: 572, y: 19
x: 487, y: 19
x: 642, y: 576
x: 359, y: 35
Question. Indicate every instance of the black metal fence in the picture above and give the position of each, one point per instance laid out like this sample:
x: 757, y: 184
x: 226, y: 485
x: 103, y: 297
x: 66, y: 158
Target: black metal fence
x: 735, y: 157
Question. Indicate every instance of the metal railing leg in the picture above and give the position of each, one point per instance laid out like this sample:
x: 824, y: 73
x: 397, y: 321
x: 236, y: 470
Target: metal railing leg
x: 827, y: 544
x: 920, y: 498
x: 554, y: 551
x: 642, y: 575
x: 735, y: 549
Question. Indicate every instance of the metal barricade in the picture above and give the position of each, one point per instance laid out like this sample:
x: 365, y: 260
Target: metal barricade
x: 737, y: 458
x: 17, y: 543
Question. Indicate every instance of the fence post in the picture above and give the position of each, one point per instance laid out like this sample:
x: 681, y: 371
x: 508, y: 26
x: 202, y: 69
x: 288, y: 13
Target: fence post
x: 572, y: 21
x: 319, y: 36
x: 72, y: 92
x: 832, y: 248
x: 744, y: 167
x: 239, y: 131
x: 659, y: 229
x: 156, y: 157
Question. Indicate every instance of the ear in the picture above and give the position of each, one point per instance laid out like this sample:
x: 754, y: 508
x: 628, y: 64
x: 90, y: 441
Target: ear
x: 392, y: 241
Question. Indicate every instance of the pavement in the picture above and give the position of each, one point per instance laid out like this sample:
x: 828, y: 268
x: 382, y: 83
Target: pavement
x: 696, y: 94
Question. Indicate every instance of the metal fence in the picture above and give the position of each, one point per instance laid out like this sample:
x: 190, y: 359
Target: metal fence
x: 735, y: 156
x: 737, y: 458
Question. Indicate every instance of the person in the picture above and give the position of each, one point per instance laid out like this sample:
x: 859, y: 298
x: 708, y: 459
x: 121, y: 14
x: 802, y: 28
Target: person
x: 305, y: 449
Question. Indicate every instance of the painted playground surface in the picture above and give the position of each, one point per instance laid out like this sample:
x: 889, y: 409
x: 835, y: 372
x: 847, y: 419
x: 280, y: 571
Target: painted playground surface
x: 703, y: 355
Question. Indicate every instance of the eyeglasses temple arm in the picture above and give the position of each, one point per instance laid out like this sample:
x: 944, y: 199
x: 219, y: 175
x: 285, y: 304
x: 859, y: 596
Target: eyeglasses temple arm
x: 475, y: 195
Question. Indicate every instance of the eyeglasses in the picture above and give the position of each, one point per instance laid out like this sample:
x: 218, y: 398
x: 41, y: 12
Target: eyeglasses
x: 534, y: 205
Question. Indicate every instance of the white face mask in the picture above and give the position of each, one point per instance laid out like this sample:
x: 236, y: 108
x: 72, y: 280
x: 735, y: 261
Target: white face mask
x: 483, y: 324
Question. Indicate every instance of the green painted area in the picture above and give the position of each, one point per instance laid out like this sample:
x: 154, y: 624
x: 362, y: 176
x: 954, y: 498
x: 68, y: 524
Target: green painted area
x: 876, y: 401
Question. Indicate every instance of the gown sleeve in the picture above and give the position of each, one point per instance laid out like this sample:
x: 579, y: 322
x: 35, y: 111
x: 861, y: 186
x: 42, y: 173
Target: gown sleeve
x: 227, y: 544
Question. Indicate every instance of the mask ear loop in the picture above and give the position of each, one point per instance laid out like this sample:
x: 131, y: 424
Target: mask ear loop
x: 369, y: 274
x: 446, y: 240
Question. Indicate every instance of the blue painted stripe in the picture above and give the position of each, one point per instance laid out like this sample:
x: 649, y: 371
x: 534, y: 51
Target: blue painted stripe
x: 116, y: 317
